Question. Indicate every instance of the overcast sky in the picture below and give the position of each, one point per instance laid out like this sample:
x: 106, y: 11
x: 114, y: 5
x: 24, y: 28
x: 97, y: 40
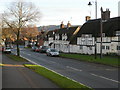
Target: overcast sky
x: 55, y: 11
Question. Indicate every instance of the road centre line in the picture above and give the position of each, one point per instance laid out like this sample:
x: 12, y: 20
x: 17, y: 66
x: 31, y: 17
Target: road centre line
x: 73, y: 68
x: 105, y: 78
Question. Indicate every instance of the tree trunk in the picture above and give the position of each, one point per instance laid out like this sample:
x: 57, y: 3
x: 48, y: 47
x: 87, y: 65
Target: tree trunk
x: 18, y: 51
x: 6, y: 42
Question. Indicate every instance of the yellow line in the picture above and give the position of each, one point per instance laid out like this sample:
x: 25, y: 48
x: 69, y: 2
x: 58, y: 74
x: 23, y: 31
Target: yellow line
x: 10, y: 65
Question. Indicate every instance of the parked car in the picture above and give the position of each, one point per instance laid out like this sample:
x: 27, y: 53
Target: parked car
x: 37, y: 49
x: 52, y: 52
x: 7, y: 50
x: 34, y: 48
x: 43, y: 49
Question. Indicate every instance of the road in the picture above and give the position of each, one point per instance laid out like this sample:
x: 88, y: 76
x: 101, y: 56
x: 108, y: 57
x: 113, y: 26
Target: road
x: 90, y: 74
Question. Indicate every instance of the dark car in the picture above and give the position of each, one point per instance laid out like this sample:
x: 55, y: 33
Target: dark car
x: 43, y: 49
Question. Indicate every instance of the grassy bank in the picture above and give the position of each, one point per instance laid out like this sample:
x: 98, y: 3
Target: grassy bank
x: 113, y: 61
x: 16, y: 58
x: 61, y: 81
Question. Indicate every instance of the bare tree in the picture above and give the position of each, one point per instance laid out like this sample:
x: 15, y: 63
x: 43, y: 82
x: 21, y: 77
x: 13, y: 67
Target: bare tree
x: 20, y: 14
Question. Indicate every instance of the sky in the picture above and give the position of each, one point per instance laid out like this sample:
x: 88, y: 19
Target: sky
x: 55, y: 11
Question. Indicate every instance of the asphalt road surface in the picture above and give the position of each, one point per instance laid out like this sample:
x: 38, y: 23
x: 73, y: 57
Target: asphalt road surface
x: 90, y: 74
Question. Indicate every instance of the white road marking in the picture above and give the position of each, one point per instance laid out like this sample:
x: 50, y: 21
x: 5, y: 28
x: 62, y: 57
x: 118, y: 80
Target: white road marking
x: 110, y: 69
x: 29, y: 54
x: 52, y: 62
x: 105, y: 78
x: 73, y: 68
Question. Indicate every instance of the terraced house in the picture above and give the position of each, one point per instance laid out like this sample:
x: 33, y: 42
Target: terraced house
x: 85, y: 39
x: 90, y: 34
x: 62, y: 39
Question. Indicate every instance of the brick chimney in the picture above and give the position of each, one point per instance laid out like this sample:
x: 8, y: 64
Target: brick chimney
x: 68, y: 24
x: 62, y: 25
x: 106, y: 14
x: 87, y: 18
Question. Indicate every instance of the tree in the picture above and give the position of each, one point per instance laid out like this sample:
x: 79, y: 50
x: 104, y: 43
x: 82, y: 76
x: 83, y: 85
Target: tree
x: 30, y: 32
x: 7, y: 35
x: 20, y: 14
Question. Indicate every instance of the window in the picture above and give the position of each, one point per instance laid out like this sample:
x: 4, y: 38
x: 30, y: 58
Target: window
x: 103, y: 47
x: 81, y: 47
x: 118, y: 47
x: 117, y: 33
x: 90, y: 48
x: 107, y: 47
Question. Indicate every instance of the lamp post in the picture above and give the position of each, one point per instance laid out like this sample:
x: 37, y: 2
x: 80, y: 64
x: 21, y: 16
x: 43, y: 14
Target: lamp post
x: 89, y: 4
x: 95, y: 40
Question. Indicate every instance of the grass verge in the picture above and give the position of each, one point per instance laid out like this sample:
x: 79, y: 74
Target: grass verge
x: 16, y: 58
x: 61, y: 81
x: 113, y: 61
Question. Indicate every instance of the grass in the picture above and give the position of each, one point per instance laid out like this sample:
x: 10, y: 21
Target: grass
x: 61, y: 81
x: 16, y: 58
x: 107, y: 60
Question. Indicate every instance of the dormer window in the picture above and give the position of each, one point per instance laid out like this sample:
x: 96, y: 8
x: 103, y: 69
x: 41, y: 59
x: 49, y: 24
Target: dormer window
x: 117, y: 33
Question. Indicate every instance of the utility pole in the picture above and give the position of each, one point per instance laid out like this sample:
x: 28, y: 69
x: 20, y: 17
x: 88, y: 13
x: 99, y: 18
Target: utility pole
x: 101, y: 29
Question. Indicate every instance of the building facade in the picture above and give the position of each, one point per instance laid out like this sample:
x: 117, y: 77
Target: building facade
x: 83, y: 39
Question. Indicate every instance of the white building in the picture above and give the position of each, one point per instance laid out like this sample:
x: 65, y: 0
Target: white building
x: 110, y: 37
x: 82, y: 39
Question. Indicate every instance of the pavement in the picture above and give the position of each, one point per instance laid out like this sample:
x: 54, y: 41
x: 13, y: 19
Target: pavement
x: 15, y: 75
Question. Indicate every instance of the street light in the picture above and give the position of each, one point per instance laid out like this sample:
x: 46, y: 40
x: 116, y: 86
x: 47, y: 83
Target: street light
x: 90, y: 4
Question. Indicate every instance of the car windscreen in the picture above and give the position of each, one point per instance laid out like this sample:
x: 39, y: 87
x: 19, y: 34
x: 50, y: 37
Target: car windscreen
x: 8, y: 48
x: 44, y: 47
x: 53, y: 50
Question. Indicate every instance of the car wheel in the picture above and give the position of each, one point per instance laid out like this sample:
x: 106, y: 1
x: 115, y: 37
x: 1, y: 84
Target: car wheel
x: 51, y: 55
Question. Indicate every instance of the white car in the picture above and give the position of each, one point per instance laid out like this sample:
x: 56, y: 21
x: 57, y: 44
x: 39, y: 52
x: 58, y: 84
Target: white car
x: 7, y: 50
x: 52, y: 52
